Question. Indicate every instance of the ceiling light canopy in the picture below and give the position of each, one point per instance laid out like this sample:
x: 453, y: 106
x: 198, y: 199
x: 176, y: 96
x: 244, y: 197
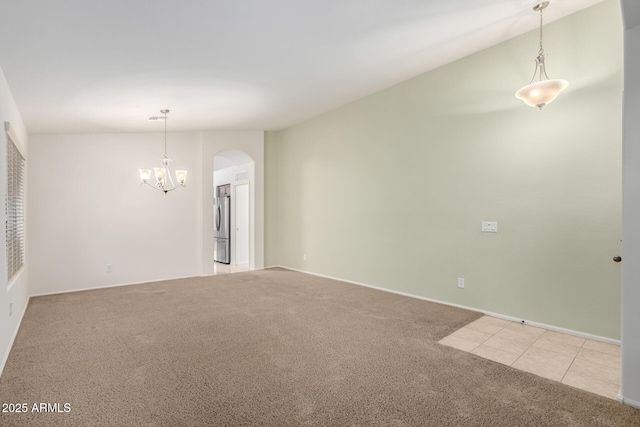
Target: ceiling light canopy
x: 164, y: 182
x: 544, y: 90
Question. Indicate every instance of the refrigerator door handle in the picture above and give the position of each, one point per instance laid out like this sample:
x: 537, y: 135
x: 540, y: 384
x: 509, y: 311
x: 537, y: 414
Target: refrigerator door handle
x: 218, y: 219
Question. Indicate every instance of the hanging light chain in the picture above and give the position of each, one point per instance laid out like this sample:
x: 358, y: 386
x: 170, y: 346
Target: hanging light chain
x: 541, y: 51
x: 165, y: 132
x: 539, y: 7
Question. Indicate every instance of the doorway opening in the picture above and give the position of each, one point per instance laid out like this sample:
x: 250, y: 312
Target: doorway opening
x: 233, y: 178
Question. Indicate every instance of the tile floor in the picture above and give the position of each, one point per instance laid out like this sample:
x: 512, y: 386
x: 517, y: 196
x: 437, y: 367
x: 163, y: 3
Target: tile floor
x: 219, y: 268
x: 582, y: 363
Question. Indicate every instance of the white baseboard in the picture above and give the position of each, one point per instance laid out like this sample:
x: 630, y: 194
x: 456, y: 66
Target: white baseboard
x: 13, y: 338
x: 629, y: 402
x: 243, y: 271
x: 488, y: 313
x: 15, y: 333
x: 112, y: 286
x: 555, y: 328
x: 128, y: 284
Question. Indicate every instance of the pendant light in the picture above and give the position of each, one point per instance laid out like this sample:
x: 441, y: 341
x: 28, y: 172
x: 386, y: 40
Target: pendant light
x: 164, y: 182
x: 544, y: 90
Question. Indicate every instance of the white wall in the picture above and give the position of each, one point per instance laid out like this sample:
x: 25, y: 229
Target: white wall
x: 251, y: 143
x: 630, y: 375
x: 15, y: 293
x: 88, y: 209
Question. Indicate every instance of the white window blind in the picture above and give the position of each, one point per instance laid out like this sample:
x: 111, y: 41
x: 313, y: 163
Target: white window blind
x: 14, y: 208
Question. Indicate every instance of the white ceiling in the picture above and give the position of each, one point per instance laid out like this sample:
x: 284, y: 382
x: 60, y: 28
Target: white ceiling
x: 92, y: 66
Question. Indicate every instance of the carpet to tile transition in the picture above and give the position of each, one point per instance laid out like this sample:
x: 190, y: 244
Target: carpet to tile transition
x: 270, y: 348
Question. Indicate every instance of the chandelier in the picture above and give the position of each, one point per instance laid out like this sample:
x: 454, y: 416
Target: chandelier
x: 164, y: 182
x: 544, y: 90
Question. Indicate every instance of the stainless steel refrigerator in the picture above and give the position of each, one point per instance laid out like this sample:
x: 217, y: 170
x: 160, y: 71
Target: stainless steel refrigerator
x: 221, y: 230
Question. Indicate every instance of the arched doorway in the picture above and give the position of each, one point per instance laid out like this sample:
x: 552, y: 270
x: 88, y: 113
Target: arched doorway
x: 233, y: 195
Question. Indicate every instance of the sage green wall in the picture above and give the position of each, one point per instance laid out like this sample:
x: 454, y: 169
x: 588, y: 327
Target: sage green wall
x: 391, y: 190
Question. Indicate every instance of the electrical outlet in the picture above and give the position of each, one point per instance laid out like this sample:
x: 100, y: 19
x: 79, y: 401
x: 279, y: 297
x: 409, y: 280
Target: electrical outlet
x: 461, y: 282
x: 489, y: 226
x: 304, y: 257
x: 109, y: 268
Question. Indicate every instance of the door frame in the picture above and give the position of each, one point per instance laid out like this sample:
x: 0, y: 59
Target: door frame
x: 234, y: 199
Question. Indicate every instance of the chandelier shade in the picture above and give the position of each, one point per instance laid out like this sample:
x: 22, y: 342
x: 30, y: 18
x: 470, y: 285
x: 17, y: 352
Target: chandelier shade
x: 541, y: 93
x: 541, y: 90
x: 145, y: 174
x: 164, y: 182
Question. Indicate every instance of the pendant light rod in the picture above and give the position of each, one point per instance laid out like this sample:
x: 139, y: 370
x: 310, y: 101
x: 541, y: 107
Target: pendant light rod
x: 165, y: 131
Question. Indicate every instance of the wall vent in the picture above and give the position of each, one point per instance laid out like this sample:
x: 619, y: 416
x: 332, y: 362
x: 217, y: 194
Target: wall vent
x: 242, y: 176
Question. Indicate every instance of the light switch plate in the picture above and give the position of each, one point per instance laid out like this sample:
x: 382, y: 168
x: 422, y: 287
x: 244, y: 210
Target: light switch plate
x: 489, y: 227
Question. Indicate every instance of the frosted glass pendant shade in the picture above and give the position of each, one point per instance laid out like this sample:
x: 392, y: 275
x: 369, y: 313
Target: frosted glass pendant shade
x: 160, y: 173
x: 145, y: 174
x: 541, y: 93
x: 181, y: 175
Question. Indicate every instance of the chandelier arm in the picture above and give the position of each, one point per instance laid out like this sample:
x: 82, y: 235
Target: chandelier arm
x: 157, y: 186
x: 173, y: 186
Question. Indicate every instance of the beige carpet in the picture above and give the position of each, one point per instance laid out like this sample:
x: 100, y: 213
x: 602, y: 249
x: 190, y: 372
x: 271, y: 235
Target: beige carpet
x: 270, y: 348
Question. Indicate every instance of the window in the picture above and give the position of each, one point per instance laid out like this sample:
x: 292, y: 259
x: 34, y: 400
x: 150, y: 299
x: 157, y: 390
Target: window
x: 14, y: 207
